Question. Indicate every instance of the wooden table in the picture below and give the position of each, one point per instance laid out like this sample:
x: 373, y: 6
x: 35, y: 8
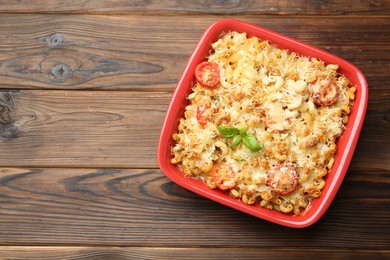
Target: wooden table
x: 85, y: 86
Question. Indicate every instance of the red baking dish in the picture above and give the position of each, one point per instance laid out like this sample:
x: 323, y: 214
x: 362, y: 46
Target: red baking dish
x: 346, y: 143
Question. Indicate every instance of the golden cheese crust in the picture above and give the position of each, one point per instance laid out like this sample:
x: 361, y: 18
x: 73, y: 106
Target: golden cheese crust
x: 295, y: 106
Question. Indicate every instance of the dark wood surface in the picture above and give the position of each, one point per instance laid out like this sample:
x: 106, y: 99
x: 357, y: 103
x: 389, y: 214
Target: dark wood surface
x: 84, y: 90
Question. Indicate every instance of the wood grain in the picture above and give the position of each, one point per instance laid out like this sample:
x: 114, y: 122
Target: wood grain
x: 149, y: 52
x: 332, y: 7
x: 81, y: 128
x: 141, y: 207
x: 121, y: 129
x: 20, y: 252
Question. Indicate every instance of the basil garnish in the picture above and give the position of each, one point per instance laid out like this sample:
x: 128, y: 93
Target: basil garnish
x: 240, y: 135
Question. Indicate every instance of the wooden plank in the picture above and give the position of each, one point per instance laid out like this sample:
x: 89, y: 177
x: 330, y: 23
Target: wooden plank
x: 121, y: 129
x: 149, y: 52
x: 141, y: 207
x: 312, y: 7
x: 81, y: 128
x: 21, y: 252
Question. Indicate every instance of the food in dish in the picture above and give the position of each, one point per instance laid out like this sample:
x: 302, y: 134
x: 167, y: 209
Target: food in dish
x: 262, y: 123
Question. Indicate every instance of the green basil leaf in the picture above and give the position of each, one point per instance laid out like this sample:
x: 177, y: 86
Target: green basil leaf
x: 236, y: 140
x: 251, y: 142
x: 228, y: 131
x: 243, y: 131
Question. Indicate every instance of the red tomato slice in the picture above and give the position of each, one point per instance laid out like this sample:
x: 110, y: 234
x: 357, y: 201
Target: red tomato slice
x: 203, y: 114
x: 207, y: 74
x: 282, y: 179
x: 223, y: 176
x: 324, y: 91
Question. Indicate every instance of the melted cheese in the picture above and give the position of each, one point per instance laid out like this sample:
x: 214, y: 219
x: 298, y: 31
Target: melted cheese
x: 266, y: 90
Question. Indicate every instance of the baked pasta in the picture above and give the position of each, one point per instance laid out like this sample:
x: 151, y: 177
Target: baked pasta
x: 262, y: 123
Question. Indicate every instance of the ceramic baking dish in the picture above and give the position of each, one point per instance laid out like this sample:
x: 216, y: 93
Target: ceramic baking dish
x: 346, y: 143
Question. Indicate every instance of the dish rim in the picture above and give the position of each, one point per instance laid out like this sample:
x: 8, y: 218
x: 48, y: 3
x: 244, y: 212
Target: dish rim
x: 319, y: 205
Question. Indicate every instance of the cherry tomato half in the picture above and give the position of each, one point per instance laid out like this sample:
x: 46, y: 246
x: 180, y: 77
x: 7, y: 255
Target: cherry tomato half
x: 223, y: 176
x: 207, y: 74
x: 203, y: 114
x: 282, y: 179
x: 324, y: 91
